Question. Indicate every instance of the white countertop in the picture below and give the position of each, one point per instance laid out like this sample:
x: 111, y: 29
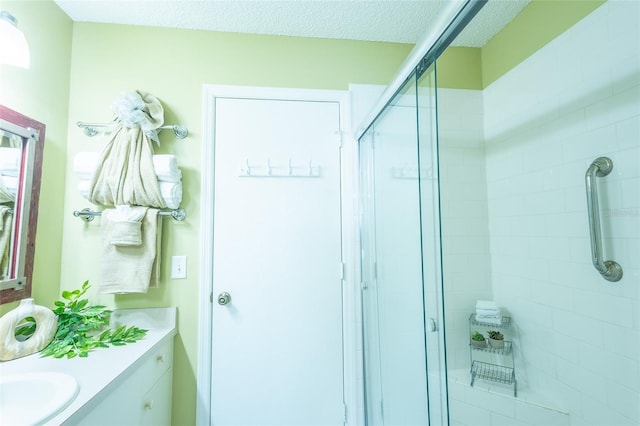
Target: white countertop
x: 104, y: 368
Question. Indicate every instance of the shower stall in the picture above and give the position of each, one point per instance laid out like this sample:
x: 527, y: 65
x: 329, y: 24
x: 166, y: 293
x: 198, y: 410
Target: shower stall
x: 487, y: 194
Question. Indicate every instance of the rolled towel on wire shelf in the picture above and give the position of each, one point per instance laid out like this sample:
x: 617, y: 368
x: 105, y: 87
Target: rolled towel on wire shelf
x: 487, y: 311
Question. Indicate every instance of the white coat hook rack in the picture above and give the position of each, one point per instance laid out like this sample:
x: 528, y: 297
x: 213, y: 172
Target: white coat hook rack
x: 308, y: 170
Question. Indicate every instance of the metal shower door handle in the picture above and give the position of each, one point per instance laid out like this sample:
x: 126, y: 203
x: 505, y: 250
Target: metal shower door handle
x: 610, y: 270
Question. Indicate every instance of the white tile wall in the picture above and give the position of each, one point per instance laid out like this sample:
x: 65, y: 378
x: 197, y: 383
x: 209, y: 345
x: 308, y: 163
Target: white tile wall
x: 482, y: 405
x: 465, y: 244
x: 545, y: 121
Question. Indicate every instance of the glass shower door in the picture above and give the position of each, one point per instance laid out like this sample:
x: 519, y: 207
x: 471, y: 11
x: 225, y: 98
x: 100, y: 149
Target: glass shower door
x: 400, y: 325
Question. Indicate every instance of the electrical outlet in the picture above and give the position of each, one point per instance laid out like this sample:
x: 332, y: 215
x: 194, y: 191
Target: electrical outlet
x: 179, y: 267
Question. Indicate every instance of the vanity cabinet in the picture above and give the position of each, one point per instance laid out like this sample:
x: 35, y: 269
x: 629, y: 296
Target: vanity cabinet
x: 142, y: 397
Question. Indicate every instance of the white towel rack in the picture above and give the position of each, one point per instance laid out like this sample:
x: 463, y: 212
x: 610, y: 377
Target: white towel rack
x: 91, y: 129
x: 88, y: 215
x: 307, y: 170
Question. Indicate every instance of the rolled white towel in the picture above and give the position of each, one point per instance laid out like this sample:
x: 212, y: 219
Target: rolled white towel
x: 10, y: 159
x: 83, y: 188
x: 171, y: 193
x: 85, y: 163
x: 166, y: 168
x: 164, y: 165
x: 10, y: 182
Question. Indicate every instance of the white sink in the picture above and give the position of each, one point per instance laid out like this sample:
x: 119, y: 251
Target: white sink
x: 33, y: 398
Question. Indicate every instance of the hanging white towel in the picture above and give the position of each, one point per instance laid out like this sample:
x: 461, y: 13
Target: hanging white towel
x: 171, y: 192
x: 128, y: 269
x: 126, y: 223
x: 125, y: 174
x: 165, y: 166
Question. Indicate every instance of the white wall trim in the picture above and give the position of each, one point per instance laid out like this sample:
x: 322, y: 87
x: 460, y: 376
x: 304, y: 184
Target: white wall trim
x: 353, y: 393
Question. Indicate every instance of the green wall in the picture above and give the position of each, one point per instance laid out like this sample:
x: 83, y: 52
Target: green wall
x: 78, y: 70
x: 42, y: 92
x: 536, y: 25
x: 173, y: 65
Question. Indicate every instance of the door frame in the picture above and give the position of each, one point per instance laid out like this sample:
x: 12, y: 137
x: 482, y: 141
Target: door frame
x: 352, y: 342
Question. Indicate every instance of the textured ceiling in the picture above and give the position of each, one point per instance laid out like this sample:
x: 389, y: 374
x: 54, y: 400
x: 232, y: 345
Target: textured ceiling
x: 402, y: 21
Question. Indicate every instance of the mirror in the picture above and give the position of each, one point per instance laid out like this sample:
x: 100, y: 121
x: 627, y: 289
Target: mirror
x: 21, y: 147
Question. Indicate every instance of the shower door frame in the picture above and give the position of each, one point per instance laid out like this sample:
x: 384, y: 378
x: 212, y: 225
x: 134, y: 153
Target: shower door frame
x: 453, y: 18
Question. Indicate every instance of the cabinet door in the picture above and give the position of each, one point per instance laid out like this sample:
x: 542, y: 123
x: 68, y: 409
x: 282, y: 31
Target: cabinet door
x: 117, y: 408
x: 156, y: 403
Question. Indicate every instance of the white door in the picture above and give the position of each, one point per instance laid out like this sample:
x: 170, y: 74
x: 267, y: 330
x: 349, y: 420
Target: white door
x: 277, y: 347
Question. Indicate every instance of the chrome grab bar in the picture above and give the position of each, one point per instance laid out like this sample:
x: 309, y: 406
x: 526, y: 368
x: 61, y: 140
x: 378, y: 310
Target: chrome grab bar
x: 610, y: 270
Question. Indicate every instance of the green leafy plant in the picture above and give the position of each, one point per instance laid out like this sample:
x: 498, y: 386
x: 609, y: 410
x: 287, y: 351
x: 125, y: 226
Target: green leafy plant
x: 81, y: 327
x: 495, y: 335
x: 477, y: 336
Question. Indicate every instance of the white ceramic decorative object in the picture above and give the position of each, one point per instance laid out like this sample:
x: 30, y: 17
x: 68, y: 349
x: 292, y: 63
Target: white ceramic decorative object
x: 46, y: 326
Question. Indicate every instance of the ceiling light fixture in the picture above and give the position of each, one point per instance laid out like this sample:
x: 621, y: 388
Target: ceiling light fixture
x: 14, y: 49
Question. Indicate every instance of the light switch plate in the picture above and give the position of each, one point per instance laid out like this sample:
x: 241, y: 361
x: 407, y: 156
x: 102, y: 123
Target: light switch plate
x: 179, y: 267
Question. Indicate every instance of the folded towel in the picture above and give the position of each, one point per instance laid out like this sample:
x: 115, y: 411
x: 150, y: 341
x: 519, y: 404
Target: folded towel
x: 489, y: 320
x: 128, y: 269
x: 486, y: 304
x: 488, y: 313
x: 126, y: 224
x: 10, y: 159
x: 164, y: 165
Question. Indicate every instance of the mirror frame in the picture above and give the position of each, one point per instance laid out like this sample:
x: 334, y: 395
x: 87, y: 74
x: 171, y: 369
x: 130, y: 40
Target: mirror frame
x: 32, y: 195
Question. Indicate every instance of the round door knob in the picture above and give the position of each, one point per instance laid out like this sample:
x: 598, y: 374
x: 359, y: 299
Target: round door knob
x: 224, y: 298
